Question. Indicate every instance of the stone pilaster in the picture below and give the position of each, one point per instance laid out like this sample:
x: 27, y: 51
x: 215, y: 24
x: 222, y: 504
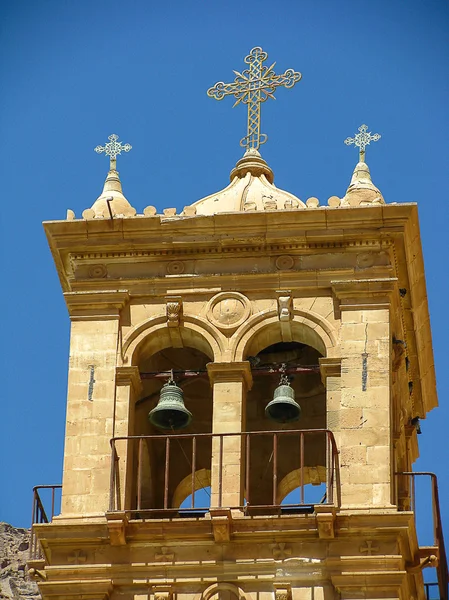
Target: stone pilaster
x: 230, y: 382
x: 90, y: 401
x: 362, y: 420
x: 128, y: 390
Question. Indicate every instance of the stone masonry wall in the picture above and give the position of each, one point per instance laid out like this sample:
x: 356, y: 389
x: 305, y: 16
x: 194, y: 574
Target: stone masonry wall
x: 14, y: 550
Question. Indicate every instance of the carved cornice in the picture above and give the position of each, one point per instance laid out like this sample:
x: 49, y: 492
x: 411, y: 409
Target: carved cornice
x: 96, y: 305
x: 245, y: 247
x: 235, y: 371
x: 357, y: 294
x: 94, y: 589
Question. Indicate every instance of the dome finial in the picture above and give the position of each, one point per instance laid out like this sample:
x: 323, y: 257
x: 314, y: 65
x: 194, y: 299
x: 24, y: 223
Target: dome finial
x: 361, y: 190
x: 111, y: 201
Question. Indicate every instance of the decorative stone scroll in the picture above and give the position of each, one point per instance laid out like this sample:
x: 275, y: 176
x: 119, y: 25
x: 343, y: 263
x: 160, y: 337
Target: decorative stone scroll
x: 285, y: 305
x: 174, y: 311
x: 162, y: 592
x: 282, y: 592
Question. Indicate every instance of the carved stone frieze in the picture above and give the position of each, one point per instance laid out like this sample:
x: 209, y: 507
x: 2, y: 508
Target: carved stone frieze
x: 369, y: 548
x: 76, y: 557
x: 98, y: 271
x: 281, y: 551
x: 285, y: 262
x: 164, y: 554
x: 176, y: 267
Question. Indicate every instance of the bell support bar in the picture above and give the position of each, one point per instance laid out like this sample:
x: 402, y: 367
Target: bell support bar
x: 272, y: 370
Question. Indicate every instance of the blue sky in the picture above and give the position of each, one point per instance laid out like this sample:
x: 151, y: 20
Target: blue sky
x: 72, y: 73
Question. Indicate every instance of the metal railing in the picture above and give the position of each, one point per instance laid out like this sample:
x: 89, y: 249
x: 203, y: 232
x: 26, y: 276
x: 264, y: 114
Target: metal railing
x: 409, y: 479
x: 160, y: 486
x: 39, y: 515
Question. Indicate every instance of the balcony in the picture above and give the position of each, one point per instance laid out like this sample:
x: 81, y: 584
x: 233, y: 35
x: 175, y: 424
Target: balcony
x: 411, y: 489
x: 268, y: 472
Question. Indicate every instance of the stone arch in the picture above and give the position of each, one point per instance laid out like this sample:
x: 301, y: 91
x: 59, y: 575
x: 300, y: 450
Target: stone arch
x: 292, y: 480
x: 202, y: 480
x: 216, y: 588
x: 153, y: 335
x: 264, y: 329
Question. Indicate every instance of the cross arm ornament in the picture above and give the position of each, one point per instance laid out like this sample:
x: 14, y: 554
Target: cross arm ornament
x: 112, y: 149
x: 362, y: 140
x: 252, y: 87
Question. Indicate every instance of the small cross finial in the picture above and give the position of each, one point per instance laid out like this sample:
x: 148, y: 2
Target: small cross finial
x: 112, y: 149
x: 252, y: 87
x: 361, y: 140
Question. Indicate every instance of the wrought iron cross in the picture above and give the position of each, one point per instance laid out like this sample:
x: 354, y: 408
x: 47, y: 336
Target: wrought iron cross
x: 361, y: 140
x: 252, y: 87
x: 112, y: 149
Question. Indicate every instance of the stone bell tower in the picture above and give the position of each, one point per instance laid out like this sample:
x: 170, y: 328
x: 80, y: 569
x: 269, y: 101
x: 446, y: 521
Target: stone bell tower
x: 283, y: 352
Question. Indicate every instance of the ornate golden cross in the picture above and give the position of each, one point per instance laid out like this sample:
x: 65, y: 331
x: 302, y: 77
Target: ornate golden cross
x: 252, y: 87
x: 112, y: 149
x: 361, y: 140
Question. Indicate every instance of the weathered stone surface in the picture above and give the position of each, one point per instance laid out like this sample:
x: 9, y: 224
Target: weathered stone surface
x: 14, y: 550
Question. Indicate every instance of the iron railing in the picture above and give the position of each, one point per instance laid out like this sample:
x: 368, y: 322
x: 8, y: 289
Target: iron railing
x: 174, y: 447
x: 409, y: 479
x: 39, y: 515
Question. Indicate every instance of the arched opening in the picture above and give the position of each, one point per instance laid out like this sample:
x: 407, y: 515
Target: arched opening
x: 171, y: 464
x: 296, y: 457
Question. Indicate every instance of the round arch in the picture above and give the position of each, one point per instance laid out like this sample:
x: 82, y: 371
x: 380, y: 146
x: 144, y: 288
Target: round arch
x: 184, y: 488
x: 265, y: 329
x: 313, y: 475
x: 153, y: 335
x: 216, y: 588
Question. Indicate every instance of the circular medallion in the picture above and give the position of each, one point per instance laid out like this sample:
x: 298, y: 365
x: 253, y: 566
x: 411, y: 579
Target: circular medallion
x: 176, y: 267
x: 365, y: 260
x: 98, y: 271
x: 228, y: 310
x: 285, y: 262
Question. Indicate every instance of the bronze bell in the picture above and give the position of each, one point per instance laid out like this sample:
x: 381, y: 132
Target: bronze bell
x: 170, y: 412
x: 283, y: 408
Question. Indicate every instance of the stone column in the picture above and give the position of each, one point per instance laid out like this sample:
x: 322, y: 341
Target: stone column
x: 128, y: 390
x: 330, y: 368
x: 95, y: 318
x: 230, y: 382
x: 363, y: 420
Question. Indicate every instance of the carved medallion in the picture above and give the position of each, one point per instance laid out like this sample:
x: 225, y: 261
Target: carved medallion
x: 285, y: 262
x: 365, y: 260
x: 228, y: 310
x: 98, y: 271
x: 176, y: 267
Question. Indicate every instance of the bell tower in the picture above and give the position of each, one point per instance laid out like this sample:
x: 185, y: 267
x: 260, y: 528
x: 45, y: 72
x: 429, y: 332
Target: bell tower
x: 245, y: 385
